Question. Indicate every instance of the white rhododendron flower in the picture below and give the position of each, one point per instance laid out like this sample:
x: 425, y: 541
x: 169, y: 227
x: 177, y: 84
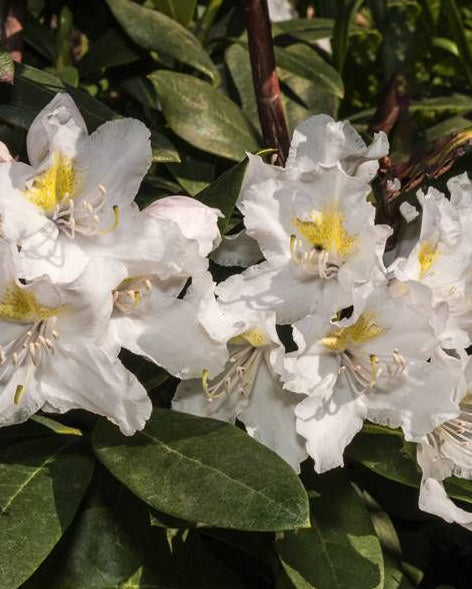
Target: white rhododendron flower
x: 442, y: 257
x: 248, y: 388
x: 321, y: 140
x: 447, y: 451
x: 181, y: 334
x: 74, y: 200
x: 157, y: 314
x: 376, y: 368
x: 317, y: 233
x: 52, y: 356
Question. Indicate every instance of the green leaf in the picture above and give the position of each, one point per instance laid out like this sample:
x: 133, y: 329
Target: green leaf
x: 223, y: 193
x: 305, y: 29
x: 7, y: 67
x: 344, y: 21
x: 180, y: 10
x: 389, y: 456
x: 204, y: 471
x: 202, y: 116
x: 306, y: 63
x: 42, y: 482
x: 340, y: 550
x: 111, y: 49
x: 99, y: 553
x: 457, y: 29
x: 193, y: 173
x: 155, y: 31
x: 34, y: 89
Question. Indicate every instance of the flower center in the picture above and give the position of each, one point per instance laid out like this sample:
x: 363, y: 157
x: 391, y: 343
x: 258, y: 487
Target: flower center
x: 130, y: 293
x: 54, y: 191
x: 323, y: 237
x: 18, y: 305
x: 53, y: 185
x: 457, y: 431
x: 363, y: 371
x: 247, y: 350
x: 364, y: 329
x: 427, y: 256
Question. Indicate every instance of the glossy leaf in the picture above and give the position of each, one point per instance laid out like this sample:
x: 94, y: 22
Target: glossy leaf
x: 111, y: 49
x: 388, y: 455
x: 98, y: 554
x: 308, y: 64
x: 223, y: 193
x: 340, y: 550
x: 180, y: 10
x: 198, y: 113
x: 42, y: 482
x: 204, y: 471
x: 154, y: 31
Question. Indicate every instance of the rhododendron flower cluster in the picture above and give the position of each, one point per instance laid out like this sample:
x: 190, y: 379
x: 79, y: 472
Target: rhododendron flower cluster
x: 320, y: 331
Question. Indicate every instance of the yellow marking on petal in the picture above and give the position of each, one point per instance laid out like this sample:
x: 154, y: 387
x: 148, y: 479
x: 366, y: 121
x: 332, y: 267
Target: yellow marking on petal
x: 364, y: 329
x: 427, y: 256
x: 326, y: 231
x: 53, y: 185
x: 374, y: 365
x: 256, y: 337
x: 20, y: 389
x: 20, y: 305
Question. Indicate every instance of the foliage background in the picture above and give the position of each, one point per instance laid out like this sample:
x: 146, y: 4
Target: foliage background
x: 193, y: 502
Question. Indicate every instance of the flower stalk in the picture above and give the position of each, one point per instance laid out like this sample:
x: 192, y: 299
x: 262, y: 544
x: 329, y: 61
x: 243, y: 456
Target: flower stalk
x: 266, y: 82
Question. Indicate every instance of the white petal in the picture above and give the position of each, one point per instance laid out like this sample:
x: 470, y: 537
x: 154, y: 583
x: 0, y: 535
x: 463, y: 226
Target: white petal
x: 48, y: 251
x: 269, y: 287
x: 328, y: 420
x: 321, y: 140
x: 237, y: 250
x: 20, y: 217
x: 268, y: 210
x: 58, y: 127
x: 434, y: 499
x: 190, y: 398
x: 88, y: 300
x: 171, y: 332
x: 84, y: 377
x: 421, y: 401
x: 195, y: 220
x: 5, y: 155
x: 280, y: 10
x: 118, y: 157
x: 270, y: 417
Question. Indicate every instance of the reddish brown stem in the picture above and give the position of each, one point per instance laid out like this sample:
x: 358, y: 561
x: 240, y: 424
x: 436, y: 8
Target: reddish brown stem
x: 14, y: 13
x: 266, y: 81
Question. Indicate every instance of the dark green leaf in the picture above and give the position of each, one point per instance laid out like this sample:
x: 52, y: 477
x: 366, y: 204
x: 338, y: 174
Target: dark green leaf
x: 306, y: 63
x: 111, y: 49
x: 99, y: 552
x: 224, y: 192
x: 180, y: 10
x: 204, y: 471
x: 202, y: 116
x: 42, y: 482
x: 456, y: 26
x: 155, y: 31
x: 340, y: 550
x: 193, y: 173
x: 340, y: 42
